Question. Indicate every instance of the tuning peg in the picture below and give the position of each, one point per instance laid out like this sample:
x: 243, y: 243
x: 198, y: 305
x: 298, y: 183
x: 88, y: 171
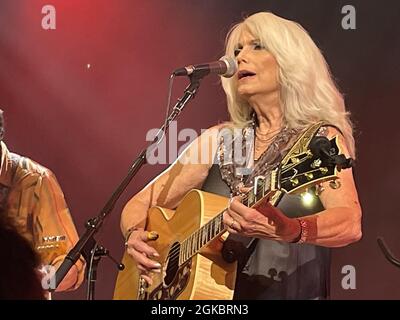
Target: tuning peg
x: 294, y: 182
x: 309, y: 176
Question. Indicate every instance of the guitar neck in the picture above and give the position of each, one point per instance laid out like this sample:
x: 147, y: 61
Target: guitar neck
x: 215, y: 227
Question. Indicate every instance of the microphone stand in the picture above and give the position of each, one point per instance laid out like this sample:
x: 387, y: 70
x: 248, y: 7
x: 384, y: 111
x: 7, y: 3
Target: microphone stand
x: 87, y: 245
x: 388, y: 255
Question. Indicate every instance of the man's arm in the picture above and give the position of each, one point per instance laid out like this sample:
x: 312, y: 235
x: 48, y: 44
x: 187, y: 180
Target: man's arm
x: 52, y: 219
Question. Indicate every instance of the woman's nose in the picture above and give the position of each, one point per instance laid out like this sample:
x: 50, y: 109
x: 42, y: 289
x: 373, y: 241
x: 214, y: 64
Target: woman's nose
x: 242, y: 56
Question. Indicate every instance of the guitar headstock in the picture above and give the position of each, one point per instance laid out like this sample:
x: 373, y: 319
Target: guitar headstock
x: 301, y: 170
x: 51, y: 247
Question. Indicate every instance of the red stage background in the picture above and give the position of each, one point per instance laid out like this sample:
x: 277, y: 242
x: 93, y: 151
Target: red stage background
x: 80, y: 99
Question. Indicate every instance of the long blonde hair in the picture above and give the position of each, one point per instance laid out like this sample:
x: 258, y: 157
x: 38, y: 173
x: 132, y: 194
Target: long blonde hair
x: 307, y: 90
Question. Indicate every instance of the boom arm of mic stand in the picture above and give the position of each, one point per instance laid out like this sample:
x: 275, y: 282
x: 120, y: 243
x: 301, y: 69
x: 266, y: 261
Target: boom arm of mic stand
x: 387, y: 253
x: 86, y: 243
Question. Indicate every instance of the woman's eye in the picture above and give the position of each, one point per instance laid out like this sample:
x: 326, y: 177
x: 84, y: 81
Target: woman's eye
x: 258, y: 46
x: 236, y: 52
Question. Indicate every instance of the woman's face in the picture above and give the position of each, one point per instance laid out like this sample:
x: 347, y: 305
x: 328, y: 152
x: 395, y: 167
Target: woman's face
x: 257, y: 68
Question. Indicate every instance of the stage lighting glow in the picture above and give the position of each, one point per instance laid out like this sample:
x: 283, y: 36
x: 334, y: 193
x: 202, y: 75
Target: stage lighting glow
x: 307, y: 199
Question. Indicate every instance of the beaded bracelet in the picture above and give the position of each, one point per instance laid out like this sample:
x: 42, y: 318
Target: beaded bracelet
x: 304, y: 231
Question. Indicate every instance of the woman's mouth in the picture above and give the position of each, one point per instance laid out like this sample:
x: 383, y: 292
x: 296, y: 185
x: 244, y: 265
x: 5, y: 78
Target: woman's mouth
x: 245, y: 74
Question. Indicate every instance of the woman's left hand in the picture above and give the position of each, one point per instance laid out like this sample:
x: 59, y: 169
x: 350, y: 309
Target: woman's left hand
x: 264, y: 221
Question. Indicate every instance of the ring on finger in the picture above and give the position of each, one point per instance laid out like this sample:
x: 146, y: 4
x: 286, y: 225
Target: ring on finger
x: 152, y: 235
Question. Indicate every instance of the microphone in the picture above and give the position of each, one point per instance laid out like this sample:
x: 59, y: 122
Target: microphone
x: 226, y: 67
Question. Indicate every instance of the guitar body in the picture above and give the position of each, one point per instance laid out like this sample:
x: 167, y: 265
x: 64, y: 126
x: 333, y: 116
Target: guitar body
x: 204, y: 276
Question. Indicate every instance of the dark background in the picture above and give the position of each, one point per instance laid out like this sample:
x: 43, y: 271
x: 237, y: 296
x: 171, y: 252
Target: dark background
x: 87, y: 125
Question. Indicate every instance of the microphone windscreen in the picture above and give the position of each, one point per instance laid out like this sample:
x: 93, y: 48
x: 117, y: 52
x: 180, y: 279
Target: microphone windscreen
x: 231, y: 66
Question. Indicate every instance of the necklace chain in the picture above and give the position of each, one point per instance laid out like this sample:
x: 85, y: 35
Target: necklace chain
x: 263, y: 141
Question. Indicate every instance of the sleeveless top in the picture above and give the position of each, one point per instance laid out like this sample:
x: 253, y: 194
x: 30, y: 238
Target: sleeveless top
x: 269, y: 269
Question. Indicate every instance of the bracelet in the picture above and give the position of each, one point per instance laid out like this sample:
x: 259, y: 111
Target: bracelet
x: 302, y: 237
x: 304, y: 231
x: 128, y: 234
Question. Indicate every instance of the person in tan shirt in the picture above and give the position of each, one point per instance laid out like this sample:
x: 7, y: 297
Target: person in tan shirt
x: 34, y: 202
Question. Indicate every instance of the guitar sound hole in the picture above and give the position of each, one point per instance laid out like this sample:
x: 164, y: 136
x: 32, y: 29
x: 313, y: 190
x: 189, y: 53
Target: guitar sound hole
x: 173, y: 264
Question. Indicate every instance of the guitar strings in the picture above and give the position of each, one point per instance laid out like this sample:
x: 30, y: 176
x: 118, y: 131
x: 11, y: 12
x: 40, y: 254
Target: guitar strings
x: 195, y: 235
x: 176, y: 251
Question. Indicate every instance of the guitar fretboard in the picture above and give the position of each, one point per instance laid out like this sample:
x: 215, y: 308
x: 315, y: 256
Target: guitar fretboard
x: 213, y: 228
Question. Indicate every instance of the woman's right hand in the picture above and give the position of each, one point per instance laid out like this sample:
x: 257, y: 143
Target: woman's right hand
x: 142, y: 253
